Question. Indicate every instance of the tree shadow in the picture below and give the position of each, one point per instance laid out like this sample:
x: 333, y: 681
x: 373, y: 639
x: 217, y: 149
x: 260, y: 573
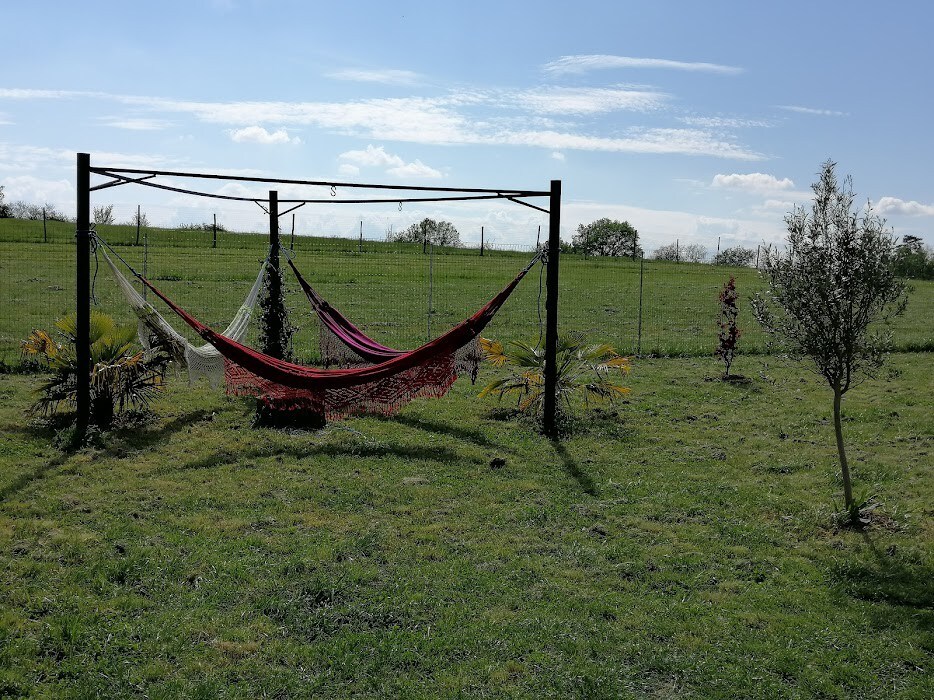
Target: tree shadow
x: 24, y: 480
x: 573, y: 468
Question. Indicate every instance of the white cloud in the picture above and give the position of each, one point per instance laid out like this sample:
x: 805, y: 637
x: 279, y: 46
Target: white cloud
x: 778, y: 205
x: 584, y: 63
x: 137, y: 123
x: 752, y: 182
x: 372, y: 156
x: 811, y: 110
x: 590, y: 100
x: 36, y: 190
x: 348, y: 169
x: 385, y: 76
x: 417, y: 169
x: 4, y: 119
x: 899, y: 207
x: 724, y: 122
x: 558, y: 155
x: 257, y: 134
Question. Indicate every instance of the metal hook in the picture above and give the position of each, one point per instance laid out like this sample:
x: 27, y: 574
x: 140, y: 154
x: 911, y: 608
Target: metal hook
x: 333, y: 190
x: 400, y: 206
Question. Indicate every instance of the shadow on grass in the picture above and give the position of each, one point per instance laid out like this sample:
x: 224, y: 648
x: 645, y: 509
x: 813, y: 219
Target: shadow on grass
x: 432, y: 426
x: 441, y: 455
x: 573, y: 468
x: 891, y: 577
x: 24, y: 480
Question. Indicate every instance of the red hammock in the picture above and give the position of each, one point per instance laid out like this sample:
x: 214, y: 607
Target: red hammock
x: 344, y: 344
x: 429, y: 370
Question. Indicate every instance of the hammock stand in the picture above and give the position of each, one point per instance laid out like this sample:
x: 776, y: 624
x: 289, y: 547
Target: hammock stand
x: 428, y: 371
x: 392, y: 194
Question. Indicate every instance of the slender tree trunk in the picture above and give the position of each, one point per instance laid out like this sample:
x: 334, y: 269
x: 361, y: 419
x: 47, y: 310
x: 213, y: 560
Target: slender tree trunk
x: 844, y: 466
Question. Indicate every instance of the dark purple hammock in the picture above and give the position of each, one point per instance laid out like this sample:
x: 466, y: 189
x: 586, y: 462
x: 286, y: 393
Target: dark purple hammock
x: 343, y: 344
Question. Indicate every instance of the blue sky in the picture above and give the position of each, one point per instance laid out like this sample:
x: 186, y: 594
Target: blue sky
x: 690, y: 120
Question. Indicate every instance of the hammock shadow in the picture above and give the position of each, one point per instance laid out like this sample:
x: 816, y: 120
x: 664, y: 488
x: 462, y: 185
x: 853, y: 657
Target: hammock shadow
x: 433, y: 426
x: 440, y: 455
x: 573, y: 468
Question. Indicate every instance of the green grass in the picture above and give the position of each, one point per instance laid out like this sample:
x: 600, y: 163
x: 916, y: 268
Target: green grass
x: 386, y: 289
x: 679, y: 545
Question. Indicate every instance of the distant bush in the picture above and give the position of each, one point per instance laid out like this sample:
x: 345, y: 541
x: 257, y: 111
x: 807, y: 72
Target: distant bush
x: 440, y: 233
x: 198, y: 227
x: 737, y: 256
x: 104, y: 215
x: 667, y: 252
x: 4, y: 209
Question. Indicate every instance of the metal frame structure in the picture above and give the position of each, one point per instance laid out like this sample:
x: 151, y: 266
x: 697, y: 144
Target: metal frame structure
x: 146, y: 178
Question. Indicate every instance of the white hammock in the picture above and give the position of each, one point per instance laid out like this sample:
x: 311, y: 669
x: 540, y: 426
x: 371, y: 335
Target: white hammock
x: 201, y: 361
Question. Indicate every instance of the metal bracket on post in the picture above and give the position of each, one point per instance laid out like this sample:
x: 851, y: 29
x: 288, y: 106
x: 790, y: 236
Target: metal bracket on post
x: 549, y: 412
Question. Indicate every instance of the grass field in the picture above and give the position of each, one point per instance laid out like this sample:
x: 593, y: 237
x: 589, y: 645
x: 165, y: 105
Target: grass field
x: 389, y: 288
x: 678, y: 545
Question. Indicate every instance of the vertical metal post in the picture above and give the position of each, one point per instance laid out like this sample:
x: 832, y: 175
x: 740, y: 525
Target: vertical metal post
x: 718, y: 246
x: 138, y: 217
x: 360, y: 244
x: 274, y: 229
x: 677, y: 254
x: 292, y: 240
x: 639, y: 331
x: 431, y: 283
x: 83, y: 297
x: 214, y: 243
x: 481, y: 241
x: 45, y: 231
x: 538, y: 239
x: 551, y: 312
x: 758, y: 247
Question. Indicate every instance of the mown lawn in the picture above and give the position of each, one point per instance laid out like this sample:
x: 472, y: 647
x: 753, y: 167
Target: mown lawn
x: 679, y: 545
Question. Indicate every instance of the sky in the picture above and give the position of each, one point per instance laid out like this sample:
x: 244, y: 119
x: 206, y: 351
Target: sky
x: 694, y: 121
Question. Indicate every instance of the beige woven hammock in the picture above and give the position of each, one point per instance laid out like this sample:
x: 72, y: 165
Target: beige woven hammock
x: 154, y: 330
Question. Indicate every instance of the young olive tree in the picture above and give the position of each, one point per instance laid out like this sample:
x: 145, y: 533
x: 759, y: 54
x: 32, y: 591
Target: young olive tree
x: 828, y: 291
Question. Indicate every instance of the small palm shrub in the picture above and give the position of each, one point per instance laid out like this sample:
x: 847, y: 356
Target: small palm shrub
x: 586, y: 372
x: 122, y: 376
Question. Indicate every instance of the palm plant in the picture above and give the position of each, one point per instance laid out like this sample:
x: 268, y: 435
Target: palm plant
x: 121, y: 375
x: 584, y: 369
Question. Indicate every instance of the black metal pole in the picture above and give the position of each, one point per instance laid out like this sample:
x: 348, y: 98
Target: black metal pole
x: 639, y: 332
x: 45, y: 230
x: 481, y: 241
x: 274, y: 229
x: 360, y: 244
x: 138, y: 217
x: 214, y: 228
x: 83, y: 297
x: 292, y: 239
x: 551, y: 312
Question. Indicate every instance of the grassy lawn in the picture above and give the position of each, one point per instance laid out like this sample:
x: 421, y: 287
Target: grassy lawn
x: 679, y: 545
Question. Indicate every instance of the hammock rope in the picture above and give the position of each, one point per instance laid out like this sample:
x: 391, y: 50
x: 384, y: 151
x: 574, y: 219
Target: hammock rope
x: 154, y: 331
x: 429, y: 370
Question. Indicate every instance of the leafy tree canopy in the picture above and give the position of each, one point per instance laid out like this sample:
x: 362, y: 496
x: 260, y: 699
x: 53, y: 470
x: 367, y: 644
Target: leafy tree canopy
x: 607, y: 237
x: 737, y: 256
x: 429, y: 231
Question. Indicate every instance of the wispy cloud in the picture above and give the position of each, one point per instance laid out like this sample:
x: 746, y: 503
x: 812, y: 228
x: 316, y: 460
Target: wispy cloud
x: 585, y: 63
x: 558, y: 155
x: 384, y: 76
x: 561, y: 100
x: 899, y: 207
x: 811, y: 110
x: 415, y: 170
x: 724, y: 122
x: 257, y: 134
x: 752, y: 182
x: 4, y: 119
x: 136, y: 123
x: 467, y: 117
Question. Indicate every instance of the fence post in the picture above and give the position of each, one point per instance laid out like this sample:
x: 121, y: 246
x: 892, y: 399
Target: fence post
x: 137, y: 223
x: 214, y: 228
x: 538, y: 239
x: 481, y: 241
x: 551, y: 312
x: 757, y: 256
x: 431, y: 283
x: 83, y: 297
x: 45, y: 231
x: 360, y: 244
x: 677, y: 251
x: 292, y: 240
x: 639, y: 331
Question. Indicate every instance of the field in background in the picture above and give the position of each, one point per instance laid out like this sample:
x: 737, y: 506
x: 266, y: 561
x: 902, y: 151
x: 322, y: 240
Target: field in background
x: 395, y: 293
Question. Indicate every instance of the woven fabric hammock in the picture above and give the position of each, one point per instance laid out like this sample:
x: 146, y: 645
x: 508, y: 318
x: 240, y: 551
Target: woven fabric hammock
x: 154, y: 330
x: 344, y: 344
x: 429, y: 370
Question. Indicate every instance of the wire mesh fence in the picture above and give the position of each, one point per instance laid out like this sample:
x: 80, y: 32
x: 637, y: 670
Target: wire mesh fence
x: 401, y: 294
